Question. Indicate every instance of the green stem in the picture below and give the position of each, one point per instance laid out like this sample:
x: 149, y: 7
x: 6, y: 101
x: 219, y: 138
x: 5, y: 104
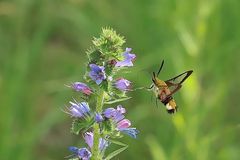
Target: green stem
x: 96, y: 131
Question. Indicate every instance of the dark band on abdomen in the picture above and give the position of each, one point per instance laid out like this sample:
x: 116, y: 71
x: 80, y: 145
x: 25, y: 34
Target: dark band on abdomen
x: 167, y: 99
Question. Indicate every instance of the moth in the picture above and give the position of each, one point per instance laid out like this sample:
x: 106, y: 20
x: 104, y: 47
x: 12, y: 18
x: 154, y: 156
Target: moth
x: 164, y: 90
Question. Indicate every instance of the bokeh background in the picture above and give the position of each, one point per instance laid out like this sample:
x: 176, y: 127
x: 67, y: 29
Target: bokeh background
x: 42, y: 47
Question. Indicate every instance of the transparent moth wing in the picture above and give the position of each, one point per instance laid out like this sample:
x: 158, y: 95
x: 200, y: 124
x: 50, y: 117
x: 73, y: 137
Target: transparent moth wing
x: 175, y: 83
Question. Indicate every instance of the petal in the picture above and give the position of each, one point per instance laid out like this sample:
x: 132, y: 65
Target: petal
x: 109, y: 112
x: 121, y: 109
x: 132, y: 132
x: 123, y: 124
x: 97, y: 73
x: 95, y: 68
x: 128, y: 49
x: 85, y: 107
x: 88, y: 137
x: 128, y: 58
x: 75, y: 112
x: 73, y: 149
x: 82, y: 87
x: 84, y: 154
x: 103, y: 144
x: 122, y: 84
x: 118, y: 116
x: 98, y: 81
x: 98, y: 118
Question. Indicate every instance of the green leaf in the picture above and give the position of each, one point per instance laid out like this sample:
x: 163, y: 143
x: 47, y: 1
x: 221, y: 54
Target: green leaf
x: 77, y: 126
x: 118, y: 100
x: 81, y: 124
x: 94, y: 55
x: 117, y: 142
x: 116, y: 152
x: 107, y: 126
x: 104, y: 85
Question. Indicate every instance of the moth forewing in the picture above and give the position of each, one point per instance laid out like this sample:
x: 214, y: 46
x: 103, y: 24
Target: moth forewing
x: 179, y: 79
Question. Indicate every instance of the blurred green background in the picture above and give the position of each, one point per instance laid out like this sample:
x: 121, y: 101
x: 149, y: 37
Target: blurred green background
x: 42, y: 47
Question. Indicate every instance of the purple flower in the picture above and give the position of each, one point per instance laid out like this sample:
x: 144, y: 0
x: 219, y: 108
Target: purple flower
x: 88, y: 137
x: 109, y: 112
x: 123, y: 124
x: 82, y: 153
x: 115, y: 114
x: 78, y: 110
x: 98, y: 118
x: 97, y: 73
x: 118, y: 116
x: 132, y: 132
x: 82, y: 87
x: 123, y: 84
x: 128, y: 58
x: 103, y: 144
x: 121, y: 109
x: 89, y: 140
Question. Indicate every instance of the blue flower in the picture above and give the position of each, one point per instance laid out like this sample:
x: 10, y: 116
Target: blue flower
x: 98, y: 118
x: 82, y: 87
x: 73, y: 149
x: 123, y: 126
x: 82, y: 153
x: 122, y: 84
x: 79, y: 110
x: 97, y: 73
x: 132, y: 132
x: 128, y: 58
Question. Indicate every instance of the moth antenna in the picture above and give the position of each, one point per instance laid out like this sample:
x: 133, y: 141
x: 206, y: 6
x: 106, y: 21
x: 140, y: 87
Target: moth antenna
x: 154, y: 77
x: 160, y: 68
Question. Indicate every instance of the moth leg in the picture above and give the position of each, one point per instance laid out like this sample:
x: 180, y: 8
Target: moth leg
x: 149, y: 88
x: 156, y: 101
x: 151, y: 96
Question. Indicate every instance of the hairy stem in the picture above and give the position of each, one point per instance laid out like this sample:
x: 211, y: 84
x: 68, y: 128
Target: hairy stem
x: 96, y: 131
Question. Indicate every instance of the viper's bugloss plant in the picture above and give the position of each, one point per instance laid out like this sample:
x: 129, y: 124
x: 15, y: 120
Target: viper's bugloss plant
x: 102, y: 86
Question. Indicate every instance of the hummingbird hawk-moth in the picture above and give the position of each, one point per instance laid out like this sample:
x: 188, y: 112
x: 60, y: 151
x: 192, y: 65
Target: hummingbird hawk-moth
x: 164, y: 90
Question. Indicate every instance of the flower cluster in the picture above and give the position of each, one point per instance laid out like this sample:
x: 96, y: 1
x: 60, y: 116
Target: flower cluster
x: 84, y: 153
x: 100, y: 127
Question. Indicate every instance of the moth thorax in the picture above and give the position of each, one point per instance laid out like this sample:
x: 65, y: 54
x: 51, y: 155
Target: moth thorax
x: 159, y: 83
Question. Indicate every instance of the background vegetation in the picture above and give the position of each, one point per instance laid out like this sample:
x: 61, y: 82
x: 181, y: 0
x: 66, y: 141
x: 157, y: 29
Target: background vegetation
x: 42, y: 47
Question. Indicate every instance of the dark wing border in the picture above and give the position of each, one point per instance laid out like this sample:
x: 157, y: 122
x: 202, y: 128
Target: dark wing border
x: 188, y: 73
x: 178, y: 85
